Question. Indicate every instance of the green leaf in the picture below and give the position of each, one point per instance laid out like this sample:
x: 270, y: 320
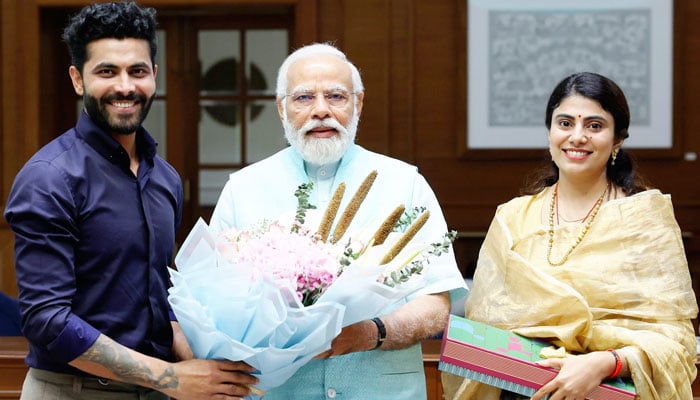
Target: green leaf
x: 302, y: 194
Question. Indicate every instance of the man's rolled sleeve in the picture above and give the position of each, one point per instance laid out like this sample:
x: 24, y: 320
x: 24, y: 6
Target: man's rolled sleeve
x: 74, y: 340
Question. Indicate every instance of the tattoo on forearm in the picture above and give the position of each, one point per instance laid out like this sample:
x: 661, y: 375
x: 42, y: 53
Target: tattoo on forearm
x: 167, y: 379
x: 121, y: 363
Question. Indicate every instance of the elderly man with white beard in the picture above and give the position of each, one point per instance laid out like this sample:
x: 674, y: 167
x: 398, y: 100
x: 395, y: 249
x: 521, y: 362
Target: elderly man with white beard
x: 319, y: 99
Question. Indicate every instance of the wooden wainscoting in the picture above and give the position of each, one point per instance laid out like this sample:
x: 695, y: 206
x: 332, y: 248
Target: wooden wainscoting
x: 12, y: 367
x: 431, y: 356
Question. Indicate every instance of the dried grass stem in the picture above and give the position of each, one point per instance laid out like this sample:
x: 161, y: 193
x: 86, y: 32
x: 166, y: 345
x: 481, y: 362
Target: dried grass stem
x: 388, y: 225
x: 405, y: 238
x: 324, y: 228
x: 352, y: 207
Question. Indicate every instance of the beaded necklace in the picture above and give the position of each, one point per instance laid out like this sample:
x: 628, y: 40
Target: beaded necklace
x: 554, y: 204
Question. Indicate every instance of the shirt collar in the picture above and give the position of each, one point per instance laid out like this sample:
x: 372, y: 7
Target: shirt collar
x: 108, y: 147
x: 320, y: 172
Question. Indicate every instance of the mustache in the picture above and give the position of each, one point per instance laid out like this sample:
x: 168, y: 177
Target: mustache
x: 131, y: 96
x: 329, y: 122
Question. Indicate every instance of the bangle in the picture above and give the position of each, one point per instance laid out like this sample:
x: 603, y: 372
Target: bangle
x: 618, y: 364
x: 381, y: 331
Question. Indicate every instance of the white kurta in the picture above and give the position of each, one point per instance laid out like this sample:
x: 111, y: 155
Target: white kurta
x: 265, y: 190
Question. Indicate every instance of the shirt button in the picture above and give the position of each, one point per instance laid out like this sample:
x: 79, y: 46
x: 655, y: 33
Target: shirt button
x: 322, y: 172
x: 331, y: 393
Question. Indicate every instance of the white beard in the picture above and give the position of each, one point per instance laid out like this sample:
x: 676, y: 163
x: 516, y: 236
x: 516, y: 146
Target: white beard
x: 321, y: 150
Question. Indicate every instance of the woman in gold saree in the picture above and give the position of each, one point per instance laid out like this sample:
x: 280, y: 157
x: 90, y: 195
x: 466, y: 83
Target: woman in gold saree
x: 590, y: 259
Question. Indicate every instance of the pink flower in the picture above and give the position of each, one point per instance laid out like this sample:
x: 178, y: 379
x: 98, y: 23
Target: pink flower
x: 287, y: 257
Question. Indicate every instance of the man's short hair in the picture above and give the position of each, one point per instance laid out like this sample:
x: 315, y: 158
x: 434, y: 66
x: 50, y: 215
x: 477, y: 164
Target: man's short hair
x: 118, y: 20
x: 315, y: 50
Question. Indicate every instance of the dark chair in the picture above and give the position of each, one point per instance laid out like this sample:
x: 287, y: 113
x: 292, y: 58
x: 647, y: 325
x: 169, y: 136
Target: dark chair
x: 9, y: 316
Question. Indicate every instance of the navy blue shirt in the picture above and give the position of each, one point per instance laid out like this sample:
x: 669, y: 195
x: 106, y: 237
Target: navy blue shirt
x: 92, y: 246
x: 9, y: 316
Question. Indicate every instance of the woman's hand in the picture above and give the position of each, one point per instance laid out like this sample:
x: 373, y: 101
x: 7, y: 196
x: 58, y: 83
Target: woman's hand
x: 578, y: 375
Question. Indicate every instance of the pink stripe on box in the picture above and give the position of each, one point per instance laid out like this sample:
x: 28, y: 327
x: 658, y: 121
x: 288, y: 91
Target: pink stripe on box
x: 495, y: 365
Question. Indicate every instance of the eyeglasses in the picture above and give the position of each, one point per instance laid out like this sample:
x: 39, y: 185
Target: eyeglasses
x: 335, y: 98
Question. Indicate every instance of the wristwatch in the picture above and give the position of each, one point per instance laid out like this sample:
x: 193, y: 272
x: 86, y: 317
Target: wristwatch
x: 382, y: 331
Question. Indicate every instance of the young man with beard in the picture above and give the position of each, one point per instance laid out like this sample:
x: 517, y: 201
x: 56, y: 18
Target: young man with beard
x: 319, y: 99
x: 94, y: 214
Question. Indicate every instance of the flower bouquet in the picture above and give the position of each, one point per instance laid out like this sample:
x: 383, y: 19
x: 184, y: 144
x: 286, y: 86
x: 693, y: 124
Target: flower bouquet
x: 276, y: 294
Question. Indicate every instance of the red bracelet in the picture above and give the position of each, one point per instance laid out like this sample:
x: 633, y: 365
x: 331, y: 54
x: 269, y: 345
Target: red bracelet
x: 618, y: 364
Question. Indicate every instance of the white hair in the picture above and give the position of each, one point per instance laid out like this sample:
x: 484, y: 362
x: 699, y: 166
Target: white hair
x: 314, y: 50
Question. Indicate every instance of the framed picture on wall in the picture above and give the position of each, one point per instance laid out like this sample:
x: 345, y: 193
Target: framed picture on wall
x: 517, y: 51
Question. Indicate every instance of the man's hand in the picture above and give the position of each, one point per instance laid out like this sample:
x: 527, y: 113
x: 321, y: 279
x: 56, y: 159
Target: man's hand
x: 418, y: 319
x: 181, y: 348
x: 360, y: 336
x: 185, y: 380
x: 208, y: 379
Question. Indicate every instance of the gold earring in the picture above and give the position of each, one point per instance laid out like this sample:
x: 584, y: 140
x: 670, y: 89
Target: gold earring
x: 614, y: 156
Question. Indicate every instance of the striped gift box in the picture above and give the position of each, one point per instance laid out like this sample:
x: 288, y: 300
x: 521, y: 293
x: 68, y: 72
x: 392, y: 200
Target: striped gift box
x: 507, y: 360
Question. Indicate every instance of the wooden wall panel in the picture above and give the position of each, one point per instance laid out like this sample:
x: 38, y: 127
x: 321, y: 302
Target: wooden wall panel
x: 434, y: 81
x: 8, y: 284
x: 20, y: 88
x: 367, y: 41
x: 401, y: 80
x: 686, y: 191
x: 378, y: 37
